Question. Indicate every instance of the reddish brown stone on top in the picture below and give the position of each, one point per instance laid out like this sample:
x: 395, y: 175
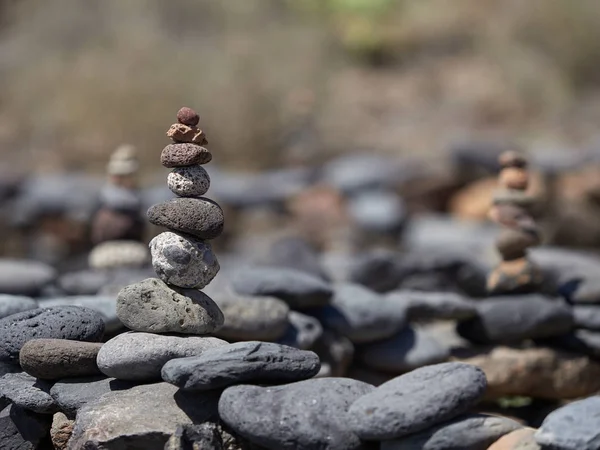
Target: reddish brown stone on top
x: 188, y: 116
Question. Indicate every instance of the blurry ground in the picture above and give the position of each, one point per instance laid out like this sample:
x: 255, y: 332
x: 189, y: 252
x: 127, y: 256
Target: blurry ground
x: 276, y: 81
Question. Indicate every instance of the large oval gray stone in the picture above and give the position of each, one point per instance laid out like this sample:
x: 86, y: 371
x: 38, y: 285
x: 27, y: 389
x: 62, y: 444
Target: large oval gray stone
x: 60, y: 322
x: 139, y: 356
x: 305, y: 415
x: 24, y: 277
x: 13, y: 304
x: 515, y: 318
x: 154, y: 307
x: 298, y: 289
x: 199, y: 217
x: 106, y: 305
x: 361, y: 314
x: 416, y: 401
x: 573, y: 427
x: 243, y: 362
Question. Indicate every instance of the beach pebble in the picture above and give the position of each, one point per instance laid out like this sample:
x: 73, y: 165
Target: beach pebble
x: 189, y: 181
x: 199, y: 217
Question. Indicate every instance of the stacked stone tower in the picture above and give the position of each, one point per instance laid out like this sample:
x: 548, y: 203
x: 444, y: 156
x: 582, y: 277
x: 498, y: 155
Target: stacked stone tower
x: 512, y: 210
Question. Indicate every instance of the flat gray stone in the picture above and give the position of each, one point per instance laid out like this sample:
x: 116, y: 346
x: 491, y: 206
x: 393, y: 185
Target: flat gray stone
x: 417, y: 400
x: 586, y: 316
x: 302, y: 331
x: 84, y: 282
x: 199, y: 217
x: 305, y: 415
x: 361, y: 314
x: 152, y: 306
x: 140, y: 356
x: 24, y: 277
x: 408, y: 350
x: 572, y: 427
x: 183, y: 261
x: 252, y: 318
x: 243, y: 362
x: 13, y: 304
x: 143, y: 417
x: 434, y: 305
x: 469, y: 432
x: 188, y: 181
x: 21, y: 429
x: 515, y: 318
x: 27, y: 392
x: 298, y: 289
x: 106, y: 305
x: 71, y: 394
x: 60, y: 322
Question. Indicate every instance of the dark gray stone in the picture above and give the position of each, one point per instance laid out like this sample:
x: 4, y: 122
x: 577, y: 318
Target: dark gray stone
x: 587, y: 317
x: 578, y: 341
x: 380, y: 270
x: 184, y: 154
x: 106, y: 305
x: 434, y: 305
x: 24, y: 277
x: 469, y: 432
x: 13, y: 304
x: 297, y: 289
x: 302, y: 331
x: 23, y: 430
x: 138, y: 356
x: 154, y: 307
x: 243, y: 362
x: 73, y: 393
x: 84, y: 282
x: 417, y: 400
x: 61, y: 322
x: 573, y: 427
x: 409, y: 349
x: 153, y: 413
x: 514, y: 318
x: 360, y: 314
x: 305, y: 415
x: 296, y: 253
x: 199, y: 217
x: 27, y: 392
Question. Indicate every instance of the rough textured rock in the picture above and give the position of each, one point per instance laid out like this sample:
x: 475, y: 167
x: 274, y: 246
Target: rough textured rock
x: 112, y: 254
x: 183, y: 261
x: 184, y: 154
x: 416, y: 401
x: 180, y: 132
x: 409, y: 349
x: 305, y: 415
x: 103, y: 304
x: 573, y: 427
x: 13, y: 304
x: 61, y: 322
x: 252, y: 318
x: 198, y: 217
x: 154, y: 307
x: 190, y: 181
x: 361, y: 314
x: 297, y: 289
x: 434, y: 305
x: 515, y: 318
x: 521, y: 439
x: 60, y: 431
x: 302, y: 331
x: 52, y: 359
x: 537, y: 372
x: 470, y: 432
x: 24, y: 277
x: 26, y: 392
x: 21, y: 429
x: 120, y: 419
x: 140, y: 356
x: 586, y: 316
x: 71, y: 394
x: 243, y: 362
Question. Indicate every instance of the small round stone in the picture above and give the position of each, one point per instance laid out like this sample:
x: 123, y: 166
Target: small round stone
x: 514, y: 178
x: 513, y: 243
x: 184, y: 154
x: 512, y: 158
x: 188, y: 116
x: 189, y: 181
x: 183, y: 261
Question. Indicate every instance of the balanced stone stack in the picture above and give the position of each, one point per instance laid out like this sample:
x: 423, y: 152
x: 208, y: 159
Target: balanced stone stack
x: 511, y: 209
x: 117, y: 227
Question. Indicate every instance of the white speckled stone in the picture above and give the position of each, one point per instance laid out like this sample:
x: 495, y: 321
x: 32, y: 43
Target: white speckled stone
x: 183, y: 261
x: 188, y: 181
x: 112, y: 254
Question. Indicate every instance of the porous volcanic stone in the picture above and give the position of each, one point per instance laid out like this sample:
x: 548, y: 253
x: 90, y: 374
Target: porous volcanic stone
x: 154, y: 307
x: 243, y: 362
x: 416, y: 401
x: 296, y: 288
x: 184, y: 154
x: 140, y: 356
x: 183, y: 261
x: 51, y: 359
x: 13, y: 304
x: 305, y: 415
x: 27, y: 392
x: 198, y: 217
x: 24, y: 277
x: 302, y: 331
x: 189, y: 181
x: 60, y: 322
x: 103, y: 304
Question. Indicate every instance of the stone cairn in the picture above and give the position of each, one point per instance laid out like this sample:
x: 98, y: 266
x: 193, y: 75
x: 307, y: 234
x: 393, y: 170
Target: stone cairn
x: 117, y: 227
x: 512, y: 209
